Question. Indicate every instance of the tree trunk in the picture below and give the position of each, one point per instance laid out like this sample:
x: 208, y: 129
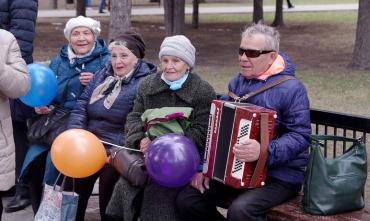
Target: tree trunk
x: 278, y: 21
x: 80, y: 8
x: 195, y: 22
x: 174, y: 16
x: 53, y: 4
x: 257, y: 11
x: 361, y: 53
x: 168, y: 16
x: 120, y: 14
x: 179, y: 17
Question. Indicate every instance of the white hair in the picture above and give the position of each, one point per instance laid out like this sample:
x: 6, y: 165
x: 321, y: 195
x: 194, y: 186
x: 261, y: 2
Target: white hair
x: 272, y: 36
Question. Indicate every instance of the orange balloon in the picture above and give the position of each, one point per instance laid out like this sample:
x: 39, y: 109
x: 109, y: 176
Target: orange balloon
x: 78, y: 153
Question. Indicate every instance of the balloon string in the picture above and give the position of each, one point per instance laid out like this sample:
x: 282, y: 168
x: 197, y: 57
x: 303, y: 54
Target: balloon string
x: 122, y: 147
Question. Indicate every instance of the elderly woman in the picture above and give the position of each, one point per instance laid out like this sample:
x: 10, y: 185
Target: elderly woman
x: 74, y: 67
x: 104, y: 106
x: 14, y: 82
x: 174, y: 86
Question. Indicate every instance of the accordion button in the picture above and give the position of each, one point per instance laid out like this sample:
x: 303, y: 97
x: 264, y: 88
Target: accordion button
x: 262, y: 183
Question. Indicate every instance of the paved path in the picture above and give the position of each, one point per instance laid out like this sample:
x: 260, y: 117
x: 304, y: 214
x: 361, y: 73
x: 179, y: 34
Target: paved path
x: 204, y: 10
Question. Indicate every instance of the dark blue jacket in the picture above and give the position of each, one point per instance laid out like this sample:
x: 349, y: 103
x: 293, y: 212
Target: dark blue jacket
x: 19, y: 17
x: 70, y: 72
x: 288, y: 153
x: 108, y: 124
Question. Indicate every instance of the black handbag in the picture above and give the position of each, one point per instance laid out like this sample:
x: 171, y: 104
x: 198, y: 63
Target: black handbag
x: 43, y: 129
x: 335, y: 185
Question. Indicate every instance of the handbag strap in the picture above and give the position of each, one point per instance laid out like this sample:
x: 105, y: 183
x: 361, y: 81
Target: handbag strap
x: 265, y: 87
x: 261, y: 163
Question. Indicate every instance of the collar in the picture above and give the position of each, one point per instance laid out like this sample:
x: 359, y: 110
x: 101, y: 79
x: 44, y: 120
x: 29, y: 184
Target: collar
x: 72, y: 56
x: 276, y: 67
x: 175, y: 85
x: 186, y: 93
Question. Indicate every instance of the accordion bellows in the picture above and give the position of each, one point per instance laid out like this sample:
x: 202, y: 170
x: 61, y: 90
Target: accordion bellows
x: 230, y: 122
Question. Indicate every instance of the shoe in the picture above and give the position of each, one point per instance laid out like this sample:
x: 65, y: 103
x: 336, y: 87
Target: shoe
x: 101, y: 11
x: 17, y: 203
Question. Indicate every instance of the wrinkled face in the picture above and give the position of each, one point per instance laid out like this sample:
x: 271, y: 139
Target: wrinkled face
x: 123, y: 60
x: 173, y: 67
x: 254, y: 67
x: 82, y: 40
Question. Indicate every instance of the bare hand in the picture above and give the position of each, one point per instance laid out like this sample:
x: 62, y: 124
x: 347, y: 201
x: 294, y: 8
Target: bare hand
x: 85, y: 77
x: 42, y: 110
x: 248, y: 150
x: 200, y: 182
x: 144, y: 144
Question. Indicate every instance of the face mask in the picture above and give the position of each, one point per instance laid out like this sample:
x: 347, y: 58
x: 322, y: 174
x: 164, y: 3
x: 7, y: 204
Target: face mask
x: 175, y: 85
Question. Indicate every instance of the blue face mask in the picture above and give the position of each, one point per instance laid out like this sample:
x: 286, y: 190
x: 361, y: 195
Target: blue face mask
x: 175, y: 85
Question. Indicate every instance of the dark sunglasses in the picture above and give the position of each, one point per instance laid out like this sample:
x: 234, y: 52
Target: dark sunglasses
x: 250, y: 53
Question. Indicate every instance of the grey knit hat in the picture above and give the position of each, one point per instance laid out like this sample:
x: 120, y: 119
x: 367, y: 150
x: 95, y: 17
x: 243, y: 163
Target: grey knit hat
x: 178, y: 46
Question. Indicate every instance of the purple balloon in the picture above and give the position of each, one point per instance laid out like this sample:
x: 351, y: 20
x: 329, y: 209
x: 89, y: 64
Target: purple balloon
x: 172, y: 160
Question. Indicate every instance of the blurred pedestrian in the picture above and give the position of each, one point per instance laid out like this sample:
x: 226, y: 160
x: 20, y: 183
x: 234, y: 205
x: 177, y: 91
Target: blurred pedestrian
x: 290, y: 5
x: 88, y: 4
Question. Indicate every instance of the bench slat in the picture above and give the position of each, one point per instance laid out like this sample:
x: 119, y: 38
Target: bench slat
x: 292, y: 211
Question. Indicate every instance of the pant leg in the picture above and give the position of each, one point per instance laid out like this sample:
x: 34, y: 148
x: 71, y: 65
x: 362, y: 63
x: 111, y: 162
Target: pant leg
x: 108, y: 178
x: 21, y: 147
x: 195, y: 206
x: 35, y: 177
x: 254, y: 204
x: 101, y: 5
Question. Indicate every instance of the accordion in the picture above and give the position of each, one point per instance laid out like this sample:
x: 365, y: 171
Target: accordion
x: 230, y: 122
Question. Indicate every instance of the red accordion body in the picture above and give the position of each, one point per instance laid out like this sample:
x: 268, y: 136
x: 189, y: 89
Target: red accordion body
x: 229, y: 122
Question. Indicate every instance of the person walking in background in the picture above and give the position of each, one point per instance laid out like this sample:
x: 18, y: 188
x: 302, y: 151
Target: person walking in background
x: 88, y: 4
x: 102, y: 6
x: 290, y: 5
x: 19, y: 18
x: 14, y: 82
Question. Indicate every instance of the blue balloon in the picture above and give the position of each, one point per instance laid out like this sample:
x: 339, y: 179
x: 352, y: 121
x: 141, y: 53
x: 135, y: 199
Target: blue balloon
x: 172, y: 160
x: 43, y: 86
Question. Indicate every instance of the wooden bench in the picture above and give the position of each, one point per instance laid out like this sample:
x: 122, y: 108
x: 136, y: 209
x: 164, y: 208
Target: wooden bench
x: 328, y: 123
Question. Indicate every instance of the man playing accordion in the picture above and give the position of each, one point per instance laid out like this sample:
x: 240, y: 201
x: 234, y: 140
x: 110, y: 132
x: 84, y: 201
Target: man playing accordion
x: 260, y: 64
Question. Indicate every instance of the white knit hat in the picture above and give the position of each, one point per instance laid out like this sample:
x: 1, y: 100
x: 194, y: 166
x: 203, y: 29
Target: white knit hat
x: 178, y: 46
x: 82, y: 21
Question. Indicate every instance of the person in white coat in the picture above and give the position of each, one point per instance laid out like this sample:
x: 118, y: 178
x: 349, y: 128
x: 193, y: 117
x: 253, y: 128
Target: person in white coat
x: 14, y: 82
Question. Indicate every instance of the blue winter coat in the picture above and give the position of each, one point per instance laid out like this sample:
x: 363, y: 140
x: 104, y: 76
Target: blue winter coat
x: 70, y: 72
x: 19, y: 17
x: 65, y: 70
x: 288, y: 153
x: 108, y: 124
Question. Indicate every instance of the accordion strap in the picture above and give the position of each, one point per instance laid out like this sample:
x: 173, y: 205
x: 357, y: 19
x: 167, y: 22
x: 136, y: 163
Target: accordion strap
x: 266, y: 87
x: 261, y: 163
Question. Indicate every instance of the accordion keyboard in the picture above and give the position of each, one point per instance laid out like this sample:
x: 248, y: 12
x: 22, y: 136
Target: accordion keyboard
x: 243, y: 132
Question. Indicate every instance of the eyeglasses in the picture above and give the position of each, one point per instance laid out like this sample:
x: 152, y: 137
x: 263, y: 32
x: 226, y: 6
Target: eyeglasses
x: 250, y: 53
